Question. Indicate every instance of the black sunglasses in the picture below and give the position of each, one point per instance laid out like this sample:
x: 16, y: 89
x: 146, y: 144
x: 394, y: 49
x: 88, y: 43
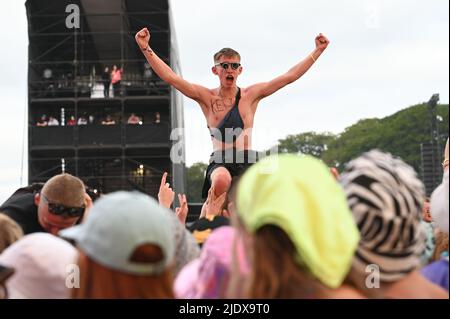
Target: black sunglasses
x: 225, y: 65
x: 58, y: 209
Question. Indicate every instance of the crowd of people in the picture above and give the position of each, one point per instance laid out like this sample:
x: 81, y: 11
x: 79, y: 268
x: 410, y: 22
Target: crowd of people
x: 133, y: 119
x: 281, y: 226
x: 289, y: 227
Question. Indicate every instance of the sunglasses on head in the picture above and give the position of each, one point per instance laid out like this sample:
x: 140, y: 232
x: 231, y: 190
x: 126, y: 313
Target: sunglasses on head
x: 226, y: 65
x: 58, y: 209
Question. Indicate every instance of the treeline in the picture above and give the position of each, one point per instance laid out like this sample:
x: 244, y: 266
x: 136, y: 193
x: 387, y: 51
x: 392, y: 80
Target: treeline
x: 400, y: 134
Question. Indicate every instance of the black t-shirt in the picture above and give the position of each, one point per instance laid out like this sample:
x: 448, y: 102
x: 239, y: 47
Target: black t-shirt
x: 106, y: 77
x: 20, y: 207
x: 202, y: 227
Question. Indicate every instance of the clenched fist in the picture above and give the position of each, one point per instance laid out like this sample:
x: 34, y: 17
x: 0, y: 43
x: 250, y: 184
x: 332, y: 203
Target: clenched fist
x: 321, y: 42
x: 142, y: 38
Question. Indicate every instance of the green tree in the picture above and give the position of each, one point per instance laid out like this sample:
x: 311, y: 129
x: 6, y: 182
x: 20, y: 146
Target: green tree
x: 310, y: 143
x: 360, y: 137
x: 195, y: 179
x: 400, y: 134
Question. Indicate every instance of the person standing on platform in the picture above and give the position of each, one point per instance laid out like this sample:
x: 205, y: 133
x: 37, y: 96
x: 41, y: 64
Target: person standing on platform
x: 106, y: 79
x: 116, y: 78
x: 228, y: 109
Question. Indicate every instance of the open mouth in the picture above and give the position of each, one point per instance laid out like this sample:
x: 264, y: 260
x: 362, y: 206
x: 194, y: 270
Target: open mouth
x: 230, y: 78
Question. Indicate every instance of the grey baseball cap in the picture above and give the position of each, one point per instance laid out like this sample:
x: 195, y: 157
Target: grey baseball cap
x: 120, y: 222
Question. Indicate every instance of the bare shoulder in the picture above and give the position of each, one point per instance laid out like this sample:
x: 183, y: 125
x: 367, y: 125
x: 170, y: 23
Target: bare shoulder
x: 253, y: 92
x: 249, y: 89
x: 205, y: 97
x: 248, y: 93
x: 204, y: 91
x: 250, y: 98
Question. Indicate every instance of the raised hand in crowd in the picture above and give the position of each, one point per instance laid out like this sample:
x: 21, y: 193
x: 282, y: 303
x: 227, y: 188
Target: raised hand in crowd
x: 165, y: 195
x: 214, y: 204
x: 183, y: 210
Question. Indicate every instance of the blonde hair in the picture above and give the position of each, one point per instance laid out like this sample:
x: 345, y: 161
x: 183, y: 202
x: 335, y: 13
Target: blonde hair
x: 65, y: 189
x: 10, y: 232
x: 227, y: 52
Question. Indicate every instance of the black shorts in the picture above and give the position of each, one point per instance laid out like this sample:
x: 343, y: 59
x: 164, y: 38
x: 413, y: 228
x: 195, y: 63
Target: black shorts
x: 235, y: 161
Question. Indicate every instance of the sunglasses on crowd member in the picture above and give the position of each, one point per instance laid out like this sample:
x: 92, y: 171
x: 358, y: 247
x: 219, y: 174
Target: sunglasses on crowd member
x: 58, y: 209
x: 226, y: 65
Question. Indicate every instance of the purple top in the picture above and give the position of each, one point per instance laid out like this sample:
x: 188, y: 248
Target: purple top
x: 437, y: 272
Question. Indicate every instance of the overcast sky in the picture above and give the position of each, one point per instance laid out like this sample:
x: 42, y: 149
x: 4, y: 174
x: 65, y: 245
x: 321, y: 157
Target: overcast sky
x: 384, y: 56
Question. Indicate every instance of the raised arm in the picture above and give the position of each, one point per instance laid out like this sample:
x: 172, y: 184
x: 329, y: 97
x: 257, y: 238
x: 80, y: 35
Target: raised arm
x: 193, y: 91
x: 262, y: 90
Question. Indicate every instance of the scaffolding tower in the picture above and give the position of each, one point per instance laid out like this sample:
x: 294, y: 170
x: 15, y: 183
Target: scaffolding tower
x: 78, y: 127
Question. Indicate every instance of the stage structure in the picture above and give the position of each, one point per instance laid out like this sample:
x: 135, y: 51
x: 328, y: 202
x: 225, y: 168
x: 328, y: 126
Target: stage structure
x: 76, y: 127
x: 432, y: 151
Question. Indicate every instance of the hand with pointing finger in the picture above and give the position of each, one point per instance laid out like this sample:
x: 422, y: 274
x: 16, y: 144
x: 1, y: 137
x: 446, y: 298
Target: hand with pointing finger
x: 165, y: 195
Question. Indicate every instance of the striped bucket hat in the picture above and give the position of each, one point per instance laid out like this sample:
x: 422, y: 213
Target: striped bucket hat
x: 386, y: 198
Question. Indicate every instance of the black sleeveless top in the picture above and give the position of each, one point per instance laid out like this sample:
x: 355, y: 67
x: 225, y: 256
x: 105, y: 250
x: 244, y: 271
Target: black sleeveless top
x: 232, y: 124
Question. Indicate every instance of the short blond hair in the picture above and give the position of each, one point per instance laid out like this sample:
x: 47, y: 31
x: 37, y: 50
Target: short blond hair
x: 65, y: 189
x: 10, y: 232
x: 227, y: 52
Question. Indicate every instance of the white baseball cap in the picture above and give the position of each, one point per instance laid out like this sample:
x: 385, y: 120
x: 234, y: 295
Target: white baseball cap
x: 41, y: 262
x: 117, y: 225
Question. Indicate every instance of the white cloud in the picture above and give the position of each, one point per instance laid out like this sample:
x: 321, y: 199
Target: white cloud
x: 384, y: 56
